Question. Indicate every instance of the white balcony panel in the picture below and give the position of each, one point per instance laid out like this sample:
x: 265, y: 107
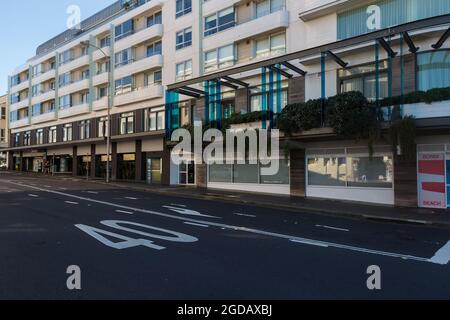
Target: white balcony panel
x: 49, y: 95
x: 20, y: 123
x: 313, y: 9
x: 139, y: 66
x: 16, y: 106
x: 74, y: 111
x: 74, y: 87
x: 145, y: 35
x: 100, y: 54
x: 142, y: 94
x: 46, y: 117
x: 51, y: 74
x: 100, y: 104
x: 271, y: 22
x: 213, y: 6
x: 21, y: 86
x: 101, y: 78
x: 74, y: 64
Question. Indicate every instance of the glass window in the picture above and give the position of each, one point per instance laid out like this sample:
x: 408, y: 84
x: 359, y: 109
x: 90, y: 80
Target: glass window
x: 102, y: 127
x: 184, y: 38
x: 125, y: 29
x: 85, y: 129
x: 124, y: 57
x: 220, y: 173
x: 219, y: 58
x: 184, y: 70
x: 220, y: 21
x: 433, y: 70
x: 327, y: 171
x: 282, y: 177
x: 183, y: 7
x: 246, y: 173
x: 124, y: 85
x: 67, y: 132
x: 65, y: 101
x: 154, y: 19
x: 40, y: 136
x: 52, y: 135
x: 156, y: 118
x: 365, y: 172
x: 127, y: 123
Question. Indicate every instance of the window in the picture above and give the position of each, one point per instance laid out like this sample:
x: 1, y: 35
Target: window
x: 37, y: 70
x: 103, y: 127
x: 102, y: 92
x: 85, y: 74
x: 184, y: 70
x: 15, y: 80
x: 124, y: 30
x: 14, y: 98
x: 27, y: 138
x: 124, y: 85
x: 13, y: 116
x: 184, y: 39
x: 52, y: 135
x: 3, y: 113
x: 84, y: 97
x: 65, y: 79
x: 155, y: 119
x: 85, y: 129
x: 219, y: 58
x: 363, y: 79
x: 36, y: 90
x: 154, y: 49
x: 183, y: 7
x: 256, y: 100
x: 266, y: 7
x: 127, y: 123
x: 17, y: 139
x: 124, y: 57
x: 103, y: 67
x: 2, y: 135
x: 154, y: 19
x: 154, y: 77
x: 40, y: 136
x: 65, y: 57
x: 67, y: 132
x: 65, y: 101
x: 274, y: 45
x: 433, y: 70
x: 220, y: 21
x: 351, y: 171
x: 36, y: 109
x: 105, y: 42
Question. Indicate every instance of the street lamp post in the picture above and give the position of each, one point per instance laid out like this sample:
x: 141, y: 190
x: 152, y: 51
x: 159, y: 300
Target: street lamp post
x: 108, y: 133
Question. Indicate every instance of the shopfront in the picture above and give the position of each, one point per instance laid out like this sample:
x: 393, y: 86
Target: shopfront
x: 351, y: 174
x: 126, y: 166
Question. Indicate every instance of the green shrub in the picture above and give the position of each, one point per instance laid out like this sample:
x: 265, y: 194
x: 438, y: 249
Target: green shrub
x: 301, y: 116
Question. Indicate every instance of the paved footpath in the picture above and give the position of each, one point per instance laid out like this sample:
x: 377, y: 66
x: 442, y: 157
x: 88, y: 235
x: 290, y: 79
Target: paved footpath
x: 133, y: 244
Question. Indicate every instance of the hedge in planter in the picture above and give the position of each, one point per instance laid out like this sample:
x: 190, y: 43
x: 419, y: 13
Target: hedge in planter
x: 300, y: 116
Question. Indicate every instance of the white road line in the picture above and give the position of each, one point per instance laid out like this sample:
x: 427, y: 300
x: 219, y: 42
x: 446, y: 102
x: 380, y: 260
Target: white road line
x: 332, y: 228
x: 442, y: 256
x: 33, y: 196
x: 245, y: 215
x: 92, y: 192
x: 71, y: 202
x: 197, y: 224
x: 130, y: 198
x: 122, y: 211
x: 243, y: 229
x: 178, y: 205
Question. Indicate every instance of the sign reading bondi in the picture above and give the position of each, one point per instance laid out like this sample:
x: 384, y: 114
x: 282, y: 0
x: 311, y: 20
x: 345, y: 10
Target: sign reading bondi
x: 237, y: 146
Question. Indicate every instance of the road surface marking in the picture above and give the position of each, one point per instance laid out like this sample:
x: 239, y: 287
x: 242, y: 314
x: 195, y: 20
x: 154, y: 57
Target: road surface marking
x: 197, y: 224
x: 122, y: 211
x: 332, y: 228
x: 188, y: 212
x: 178, y: 205
x: 33, y: 196
x: 92, y: 192
x: 311, y: 243
x: 71, y: 202
x: 130, y: 198
x: 245, y: 215
x: 442, y: 256
x: 62, y: 188
x: 243, y: 229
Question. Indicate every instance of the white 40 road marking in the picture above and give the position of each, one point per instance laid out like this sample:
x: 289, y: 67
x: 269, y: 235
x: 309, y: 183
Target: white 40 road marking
x: 128, y: 242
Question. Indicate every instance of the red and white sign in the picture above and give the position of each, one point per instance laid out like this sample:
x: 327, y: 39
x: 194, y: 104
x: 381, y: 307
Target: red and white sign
x: 431, y: 180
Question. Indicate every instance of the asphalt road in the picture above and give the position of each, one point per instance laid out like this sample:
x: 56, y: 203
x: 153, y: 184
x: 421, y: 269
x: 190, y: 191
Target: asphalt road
x: 138, y: 245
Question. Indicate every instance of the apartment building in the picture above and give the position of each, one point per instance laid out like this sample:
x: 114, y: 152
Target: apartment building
x: 3, y: 132
x: 162, y: 65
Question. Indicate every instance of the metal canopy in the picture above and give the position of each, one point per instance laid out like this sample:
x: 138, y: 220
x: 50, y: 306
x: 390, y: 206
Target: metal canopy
x: 338, y: 60
x: 410, y: 43
x: 229, y: 85
x: 282, y: 72
x: 294, y: 68
x: 317, y: 51
x: 387, y: 47
x: 236, y: 81
x: 188, y: 93
x: 441, y: 41
x: 194, y: 90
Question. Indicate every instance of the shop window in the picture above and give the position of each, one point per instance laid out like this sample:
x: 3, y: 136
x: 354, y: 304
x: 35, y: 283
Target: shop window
x: 433, y: 70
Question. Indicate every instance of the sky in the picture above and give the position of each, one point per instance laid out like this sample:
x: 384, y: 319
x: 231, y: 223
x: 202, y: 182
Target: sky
x: 24, y: 25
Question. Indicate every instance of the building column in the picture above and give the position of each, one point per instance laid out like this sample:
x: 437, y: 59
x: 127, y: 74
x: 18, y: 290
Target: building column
x: 93, y: 161
x: 114, y: 161
x: 21, y: 162
x: 405, y: 182
x: 138, y: 157
x: 297, y: 173
x: 10, y: 161
x: 166, y: 167
x: 201, y: 175
x: 75, y: 161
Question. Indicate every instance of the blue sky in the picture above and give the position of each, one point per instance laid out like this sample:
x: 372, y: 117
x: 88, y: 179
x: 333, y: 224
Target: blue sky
x: 40, y: 21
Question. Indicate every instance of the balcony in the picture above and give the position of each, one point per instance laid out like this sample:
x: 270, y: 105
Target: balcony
x: 21, y: 86
x: 100, y: 54
x: 212, y: 6
x: 19, y: 123
x: 313, y: 9
x: 46, y: 117
x: 50, y: 74
x: 141, y: 94
x: 45, y: 96
x: 19, y: 105
x: 100, y: 104
x: 141, y: 65
x: 144, y: 35
x: 101, y: 78
x: 272, y: 22
x: 74, y: 64
x: 74, y: 111
x: 74, y: 87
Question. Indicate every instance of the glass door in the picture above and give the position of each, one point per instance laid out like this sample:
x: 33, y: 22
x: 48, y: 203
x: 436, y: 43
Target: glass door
x: 154, y: 171
x: 187, y: 173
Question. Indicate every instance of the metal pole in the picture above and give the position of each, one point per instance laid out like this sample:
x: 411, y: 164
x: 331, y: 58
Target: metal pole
x: 108, y: 137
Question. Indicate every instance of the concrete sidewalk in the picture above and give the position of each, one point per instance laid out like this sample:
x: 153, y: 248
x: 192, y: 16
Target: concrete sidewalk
x: 418, y: 216
x: 326, y: 207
